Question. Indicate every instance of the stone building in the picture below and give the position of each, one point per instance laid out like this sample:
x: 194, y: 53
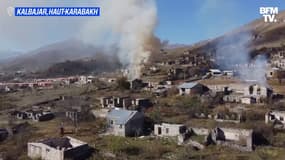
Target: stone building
x: 192, y: 88
x: 58, y: 149
x: 169, y: 130
x: 240, y: 139
x: 275, y: 116
x: 125, y: 123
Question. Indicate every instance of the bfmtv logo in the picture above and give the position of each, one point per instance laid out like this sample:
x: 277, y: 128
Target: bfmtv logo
x: 269, y: 14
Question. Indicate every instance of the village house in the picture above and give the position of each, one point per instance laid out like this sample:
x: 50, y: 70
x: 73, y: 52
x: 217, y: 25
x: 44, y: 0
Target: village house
x: 74, y: 113
x: 39, y: 115
x: 240, y: 139
x: 247, y: 100
x: 278, y: 59
x: 141, y: 103
x: 259, y: 92
x: 176, y: 73
x: 232, y: 98
x: 119, y: 102
x: 169, y: 130
x: 228, y: 73
x: 192, y: 88
x: 215, y: 88
x: 137, y: 84
x: 35, y: 115
x: 216, y: 72
x: 275, y: 117
x: 228, y: 117
x: 100, y: 113
x: 125, y: 122
x: 58, y: 149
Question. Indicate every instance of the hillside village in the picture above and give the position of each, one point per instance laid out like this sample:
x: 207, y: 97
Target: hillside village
x: 219, y: 99
x: 180, y: 108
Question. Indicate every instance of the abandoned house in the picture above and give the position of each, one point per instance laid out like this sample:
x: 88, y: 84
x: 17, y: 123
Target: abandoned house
x: 275, y: 117
x: 248, y: 100
x: 228, y: 117
x: 39, y: 115
x: 228, y: 73
x: 74, y: 113
x: 233, y: 98
x: 215, y: 88
x: 141, y: 103
x: 215, y: 72
x: 176, y: 73
x: 240, y: 139
x: 192, y: 88
x: 258, y: 92
x: 124, y: 122
x: 171, y: 130
x: 137, y: 84
x: 120, y: 102
x: 58, y: 149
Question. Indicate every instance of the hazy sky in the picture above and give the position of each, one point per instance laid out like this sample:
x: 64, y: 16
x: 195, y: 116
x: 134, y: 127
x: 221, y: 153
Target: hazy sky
x: 179, y: 21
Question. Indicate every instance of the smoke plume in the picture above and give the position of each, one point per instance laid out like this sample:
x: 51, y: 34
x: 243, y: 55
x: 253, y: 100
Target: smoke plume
x: 129, y: 25
x: 232, y: 52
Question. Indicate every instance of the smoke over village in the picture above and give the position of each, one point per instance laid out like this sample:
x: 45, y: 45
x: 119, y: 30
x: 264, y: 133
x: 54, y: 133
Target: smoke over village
x: 142, y: 79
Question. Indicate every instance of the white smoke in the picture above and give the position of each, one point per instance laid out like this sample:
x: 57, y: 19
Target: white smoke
x: 232, y: 52
x: 129, y: 25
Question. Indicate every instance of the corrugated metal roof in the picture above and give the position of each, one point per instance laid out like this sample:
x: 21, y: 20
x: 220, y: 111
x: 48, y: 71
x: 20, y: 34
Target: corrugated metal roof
x: 120, y: 116
x: 188, y: 85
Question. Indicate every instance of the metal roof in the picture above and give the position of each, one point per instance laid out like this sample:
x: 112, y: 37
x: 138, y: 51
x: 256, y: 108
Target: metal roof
x: 188, y: 85
x: 120, y: 116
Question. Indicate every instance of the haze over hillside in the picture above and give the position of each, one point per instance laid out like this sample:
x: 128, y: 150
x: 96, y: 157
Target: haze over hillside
x: 261, y: 35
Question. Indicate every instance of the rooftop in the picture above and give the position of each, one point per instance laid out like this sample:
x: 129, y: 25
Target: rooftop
x: 121, y: 116
x: 188, y: 85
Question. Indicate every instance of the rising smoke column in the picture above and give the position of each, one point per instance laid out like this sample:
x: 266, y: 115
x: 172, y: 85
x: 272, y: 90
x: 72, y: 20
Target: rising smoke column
x: 232, y: 52
x: 129, y: 25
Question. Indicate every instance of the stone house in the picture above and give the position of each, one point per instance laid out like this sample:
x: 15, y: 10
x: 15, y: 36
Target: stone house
x: 58, y: 149
x: 240, y: 139
x: 120, y: 102
x: 233, y: 98
x: 192, y: 88
x: 39, y: 115
x: 275, y: 116
x: 74, y: 113
x: 216, y: 72
x: 248, y: 100
x: 137, y: 84
x: 141, y: 103
x: 125, y: 123
x: 228, y: 117
x: 169, y: 130
x: 259, y: 92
